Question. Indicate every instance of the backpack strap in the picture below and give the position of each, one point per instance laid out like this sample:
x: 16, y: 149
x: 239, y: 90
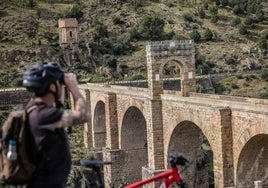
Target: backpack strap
x: 31, y: 108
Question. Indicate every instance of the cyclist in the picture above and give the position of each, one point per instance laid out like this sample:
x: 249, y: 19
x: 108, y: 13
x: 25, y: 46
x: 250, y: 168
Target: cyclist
x: 48, y: 120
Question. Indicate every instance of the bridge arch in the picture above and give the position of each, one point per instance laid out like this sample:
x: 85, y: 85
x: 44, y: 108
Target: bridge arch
x: 252, y: 163
x: 134, y: 144
x: 182, y: 65
x: 188, y: 139
x: 99, y: 126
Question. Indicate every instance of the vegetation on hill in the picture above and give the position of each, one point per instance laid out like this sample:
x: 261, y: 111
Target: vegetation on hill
x: 230, y: 36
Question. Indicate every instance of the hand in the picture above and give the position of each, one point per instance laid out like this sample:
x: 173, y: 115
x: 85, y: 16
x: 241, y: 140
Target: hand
x: 70, y: 80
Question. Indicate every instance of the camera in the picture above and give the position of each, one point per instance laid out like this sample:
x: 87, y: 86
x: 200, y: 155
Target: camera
x: 61, y: 79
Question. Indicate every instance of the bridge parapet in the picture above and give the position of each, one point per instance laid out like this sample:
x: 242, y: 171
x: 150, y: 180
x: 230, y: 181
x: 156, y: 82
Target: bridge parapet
x: 169, y: 47
x: 14, y: 96
x: 231, y: 98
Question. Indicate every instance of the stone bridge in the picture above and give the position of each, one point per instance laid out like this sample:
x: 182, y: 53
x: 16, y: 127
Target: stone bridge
x: 225, y: 138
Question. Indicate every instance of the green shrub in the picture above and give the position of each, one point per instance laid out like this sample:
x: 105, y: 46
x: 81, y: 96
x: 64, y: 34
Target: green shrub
x: 242, y: 29
x: 233, y: 86
x: 230, y: 60
x: 152, y: 27
x: 264, y: 94
x: 239, y: 76
x: 208, y: 35
x: 264, y: 74
x: 188, y: 17
x: 195, y: 35
x: 235, y: 21
x: 201, y: 13
x: 248, y: 21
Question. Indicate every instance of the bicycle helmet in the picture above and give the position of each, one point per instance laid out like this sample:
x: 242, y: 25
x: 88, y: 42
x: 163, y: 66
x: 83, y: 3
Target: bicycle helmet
x: 38, y: 78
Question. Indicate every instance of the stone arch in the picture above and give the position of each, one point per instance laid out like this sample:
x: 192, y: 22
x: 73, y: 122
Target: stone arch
x: 133, y: 144
x: 187, y: 138
x: 253, y: 162
x: 182, y: 66
x: 99, y: 126
x: 158, y: 52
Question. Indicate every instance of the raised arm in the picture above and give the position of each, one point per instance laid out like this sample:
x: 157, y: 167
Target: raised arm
x: 81, y: 112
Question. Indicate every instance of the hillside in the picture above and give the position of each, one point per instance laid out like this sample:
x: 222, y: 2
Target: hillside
x: 29, y: 34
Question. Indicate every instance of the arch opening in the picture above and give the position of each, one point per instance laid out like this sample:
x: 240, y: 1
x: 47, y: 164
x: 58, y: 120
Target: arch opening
x: 253, y: 162
x: 188, y: 139
x: 171, y: 73
x: 99, y: 126
x: 133, y: 145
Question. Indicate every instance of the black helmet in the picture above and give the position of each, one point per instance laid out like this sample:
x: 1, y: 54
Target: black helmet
x: 38, y: 78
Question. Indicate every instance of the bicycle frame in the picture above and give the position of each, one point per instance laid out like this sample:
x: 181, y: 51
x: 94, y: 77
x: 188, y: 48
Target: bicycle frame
x: 171, y: 175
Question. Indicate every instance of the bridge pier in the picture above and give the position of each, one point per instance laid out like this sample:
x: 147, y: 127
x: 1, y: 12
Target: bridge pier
x: 113, y: 174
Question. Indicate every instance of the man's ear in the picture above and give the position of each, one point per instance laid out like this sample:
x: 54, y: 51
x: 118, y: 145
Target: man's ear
x: 52, y: 87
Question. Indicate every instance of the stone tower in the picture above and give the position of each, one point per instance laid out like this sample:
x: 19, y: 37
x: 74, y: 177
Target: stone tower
x: 68, y: 32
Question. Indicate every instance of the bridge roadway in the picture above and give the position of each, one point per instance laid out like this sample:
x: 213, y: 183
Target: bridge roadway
x: 136, y: 132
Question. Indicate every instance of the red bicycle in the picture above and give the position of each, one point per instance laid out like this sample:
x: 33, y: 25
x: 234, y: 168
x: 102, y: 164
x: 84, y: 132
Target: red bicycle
x: 170, y: 176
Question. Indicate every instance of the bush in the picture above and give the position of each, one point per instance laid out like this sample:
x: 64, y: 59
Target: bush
x: 110, y: 61
x: 260, y: 16
x: 208, y: 35
x: 237, y: 10
x: 262, y: 43
x: 214, y: 19
x: 116, y: 20
x: 195, y: 35
x: 248, y: 21
x: 235, y: 21
x: 152, y: 27
x: 242, y: 29
x: 264, y: 94
x: 75, y: 12
x: 234, y: 86
x: 213, y: 10
x: 121, y: 44
x: 201, y: 13
x: 264, y: 74
x: 188, y: 17
x: 229, y: 60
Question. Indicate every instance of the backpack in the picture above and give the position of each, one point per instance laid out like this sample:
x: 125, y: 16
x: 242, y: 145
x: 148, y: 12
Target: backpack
x: 16, y: 127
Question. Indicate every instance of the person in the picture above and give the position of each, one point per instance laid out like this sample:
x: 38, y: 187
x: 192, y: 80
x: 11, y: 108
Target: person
x: 49, y: 120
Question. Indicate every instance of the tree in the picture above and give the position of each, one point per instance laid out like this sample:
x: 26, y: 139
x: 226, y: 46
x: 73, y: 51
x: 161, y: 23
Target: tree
x: 208, y: 35
x: 188, y: 17
x: 75, y: 12
x: 235, y: 21
x: 242, y: 29
x: 31, y: 3
x: 31, y: 28
x: 195, y: 35
x: 110, y: 61
x: 201, y: 13
x: 262, y: 42
x: 152, y: 27
x: 100, y: 31
x: 214, y: 14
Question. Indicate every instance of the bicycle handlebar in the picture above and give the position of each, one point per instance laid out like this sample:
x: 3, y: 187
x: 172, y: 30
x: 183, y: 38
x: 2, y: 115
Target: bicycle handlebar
x: 177, y: 159
x: 182, y: 185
